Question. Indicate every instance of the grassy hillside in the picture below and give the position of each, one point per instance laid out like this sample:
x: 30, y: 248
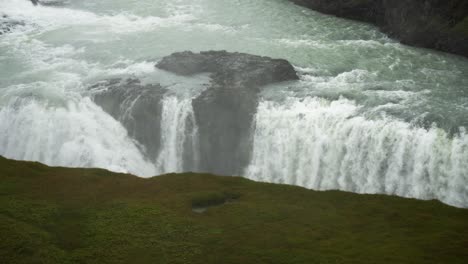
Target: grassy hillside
x: 59, y: 215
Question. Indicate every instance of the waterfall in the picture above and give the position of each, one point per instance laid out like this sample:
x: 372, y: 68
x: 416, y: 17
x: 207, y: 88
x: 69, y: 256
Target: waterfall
x: 179, y: 136
x: 50, y: 56
x: 324, y: 145
x: 78, y: 134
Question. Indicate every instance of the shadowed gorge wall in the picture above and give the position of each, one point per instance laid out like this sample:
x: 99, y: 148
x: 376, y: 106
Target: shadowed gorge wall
x: 137, y: 107
x: 436, y: 24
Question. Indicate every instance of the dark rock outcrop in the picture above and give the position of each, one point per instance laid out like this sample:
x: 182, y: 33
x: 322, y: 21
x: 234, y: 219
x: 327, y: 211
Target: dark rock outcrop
x: 49, y: 2
x: 136, y: 106
x: 436, y: 24
x: 224, y: 112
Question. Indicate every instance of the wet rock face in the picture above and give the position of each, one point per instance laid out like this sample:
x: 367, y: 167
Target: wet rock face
x: 363, y: 10
x: 49, y: 2
x: 436, y: 24
x: 241, y: 68
x: 224, y: 112
x: 136, y: 106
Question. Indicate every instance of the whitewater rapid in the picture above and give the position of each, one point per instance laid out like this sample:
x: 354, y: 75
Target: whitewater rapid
x: 368, y: 115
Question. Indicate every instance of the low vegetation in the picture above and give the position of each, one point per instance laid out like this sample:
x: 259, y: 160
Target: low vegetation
x: 60, y: 215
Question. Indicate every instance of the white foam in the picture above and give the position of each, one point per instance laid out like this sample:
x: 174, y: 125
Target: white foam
x: 77, y: 135
x: 122, y: 68
x: 296, y: 43
x: 179, y: 136
x: 61, y: 17
x: 324, y: 145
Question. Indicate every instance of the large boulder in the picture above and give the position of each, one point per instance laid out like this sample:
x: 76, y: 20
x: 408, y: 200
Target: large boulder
x: 224, y: 112
x: 136, y: 106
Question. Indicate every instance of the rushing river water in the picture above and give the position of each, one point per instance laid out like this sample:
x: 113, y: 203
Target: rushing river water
x: 368, y: 115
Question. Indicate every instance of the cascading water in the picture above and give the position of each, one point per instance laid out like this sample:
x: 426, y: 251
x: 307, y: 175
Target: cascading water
x: 369, y: 115
x: 78, y: 134
x: 323, y: 145
x: 179, y: 136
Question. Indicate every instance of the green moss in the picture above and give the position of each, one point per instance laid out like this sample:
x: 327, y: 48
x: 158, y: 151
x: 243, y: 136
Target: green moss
x: 59, y: 215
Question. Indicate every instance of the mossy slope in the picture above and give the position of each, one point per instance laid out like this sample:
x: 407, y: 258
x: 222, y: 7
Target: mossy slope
x: 60, y: 215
